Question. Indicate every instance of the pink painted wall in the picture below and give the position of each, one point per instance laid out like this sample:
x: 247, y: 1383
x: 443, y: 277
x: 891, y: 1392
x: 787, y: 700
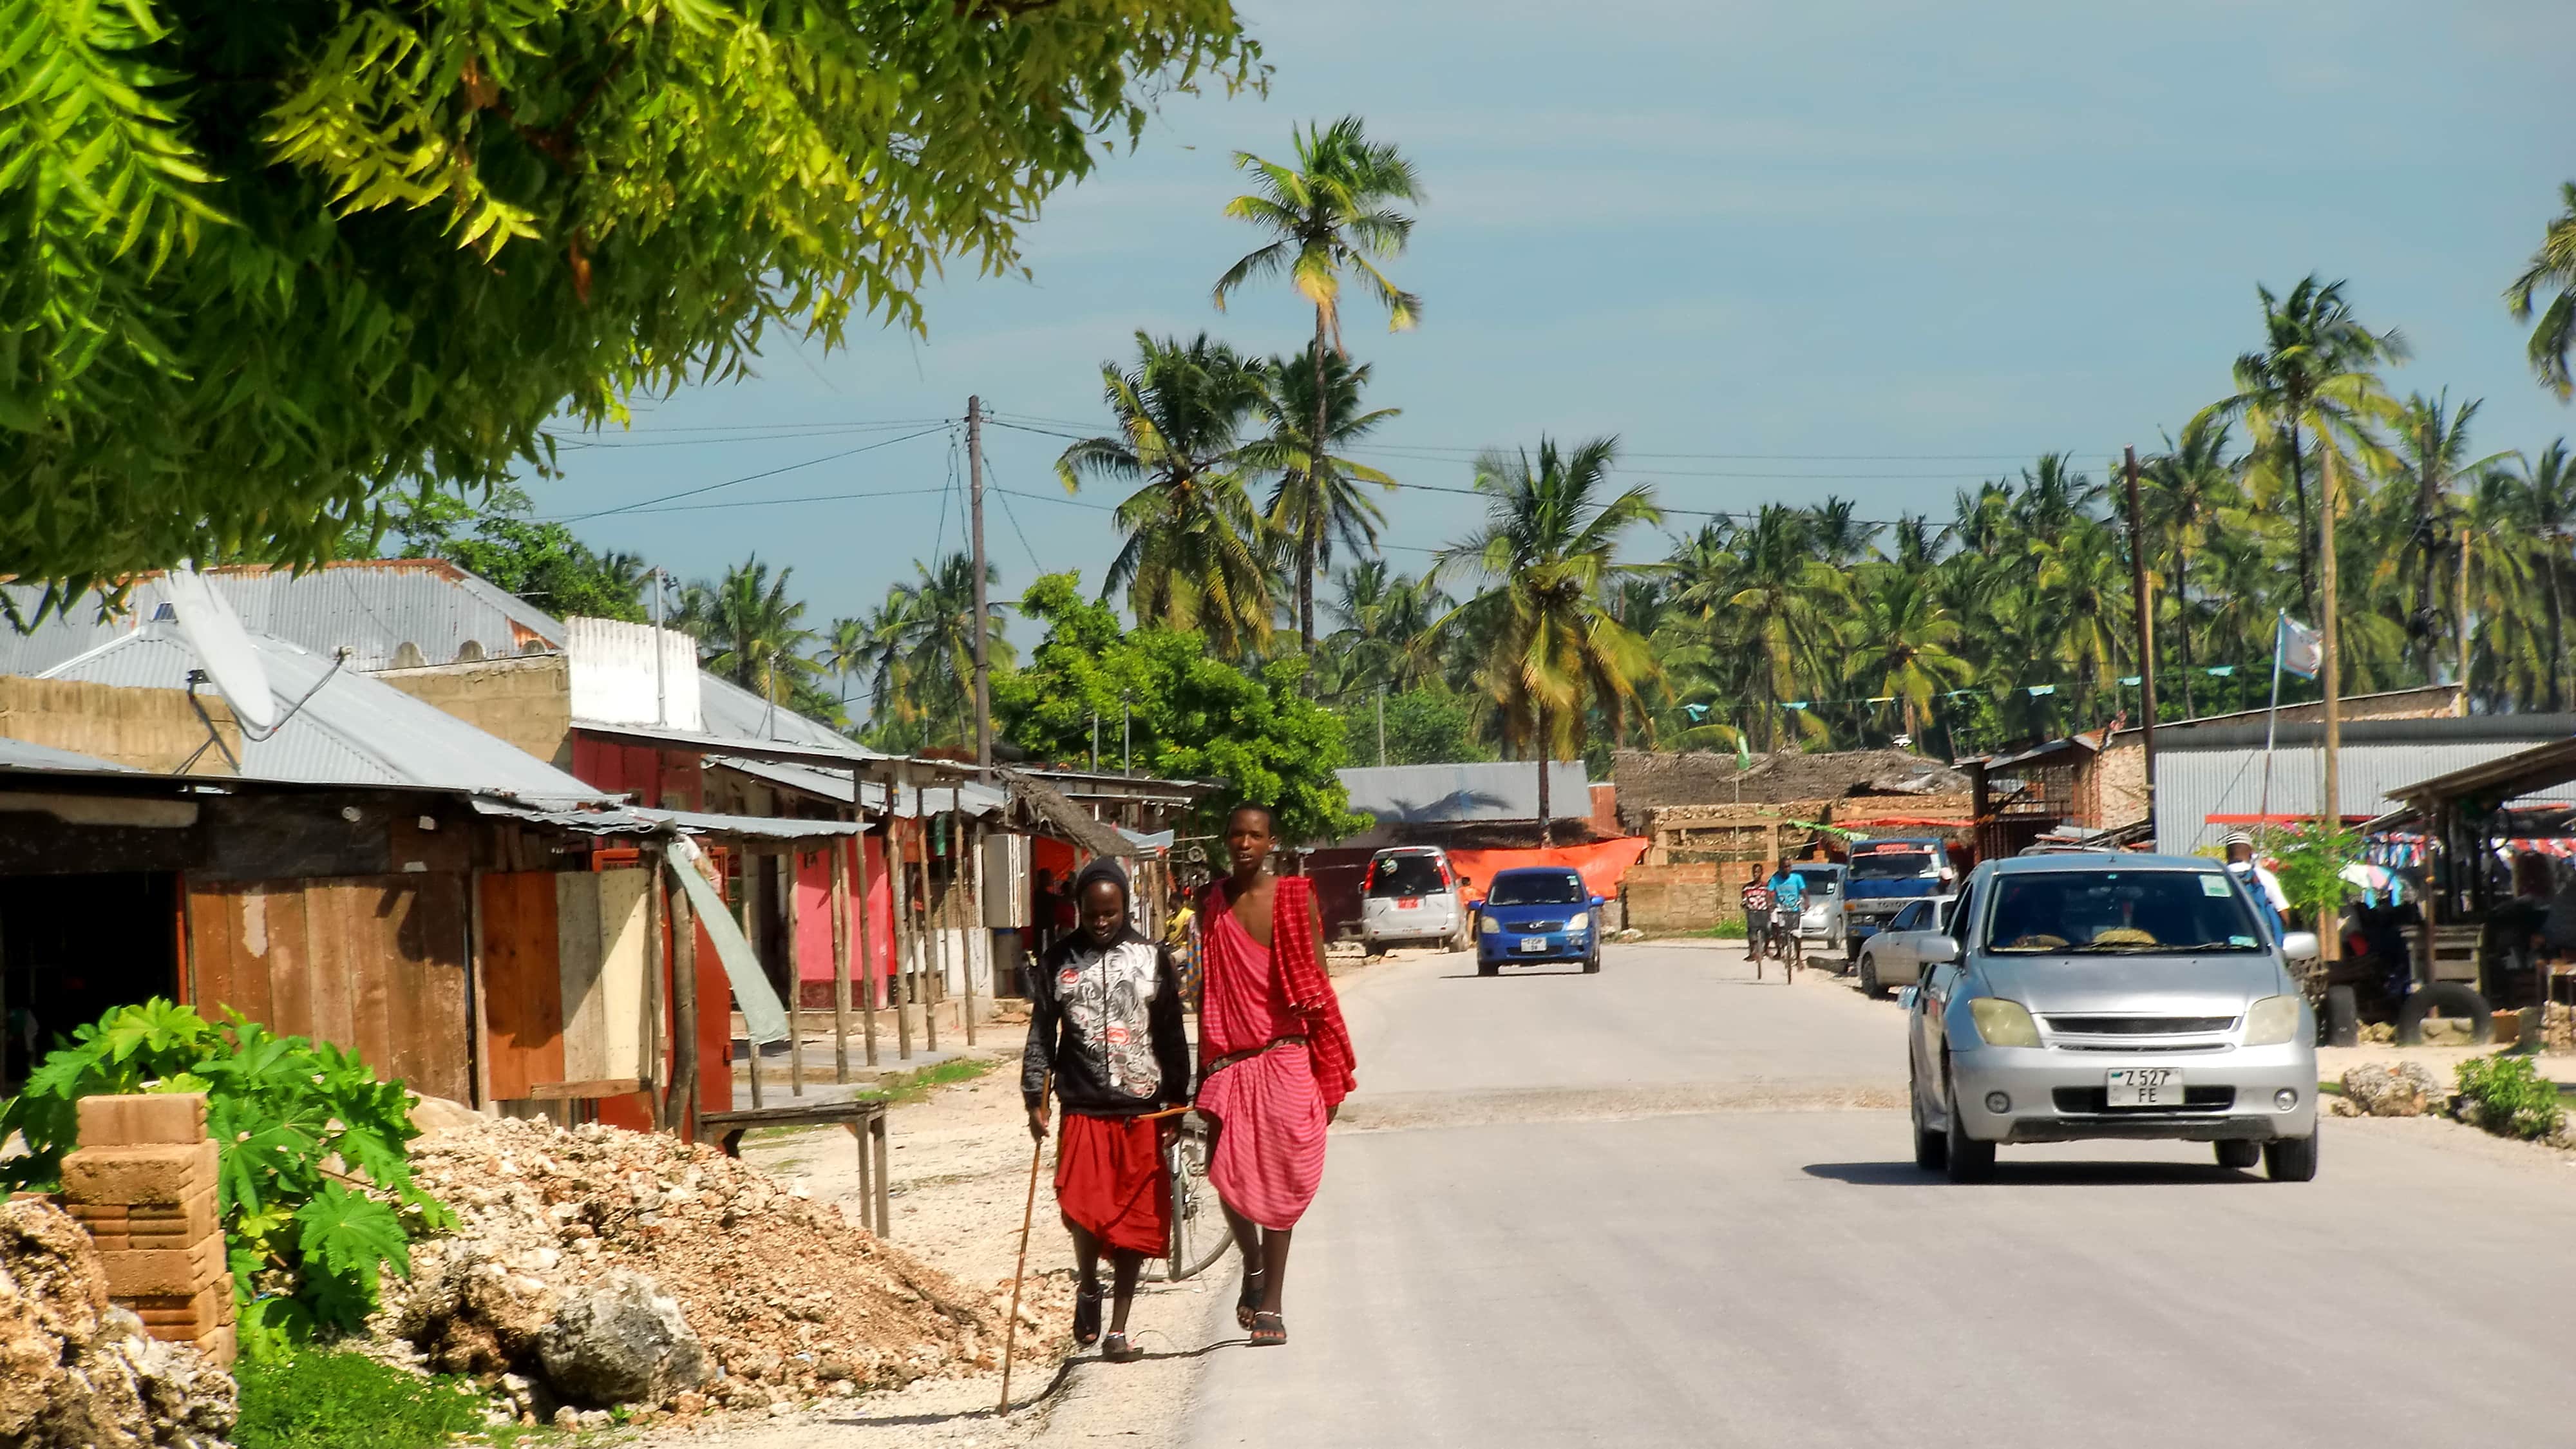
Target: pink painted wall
x: 814, y: 920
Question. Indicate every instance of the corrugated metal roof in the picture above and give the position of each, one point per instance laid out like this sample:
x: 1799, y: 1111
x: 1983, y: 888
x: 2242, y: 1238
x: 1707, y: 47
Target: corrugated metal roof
x: 371, y: 607
x: 1451, y: 794
x: 757, y: 827
x: 2194, y: 784
x: 351, y: 730
x: 977, y: 799
x: 24, y: 755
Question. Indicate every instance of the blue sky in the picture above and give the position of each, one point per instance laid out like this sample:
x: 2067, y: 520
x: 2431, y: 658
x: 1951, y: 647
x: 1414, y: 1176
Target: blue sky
x: 1782, y: 251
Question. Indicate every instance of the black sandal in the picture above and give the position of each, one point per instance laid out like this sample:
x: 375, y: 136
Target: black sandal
x: 1248, y: 1303
x: 1086, y: 1316
x: 1269, y: 1330
x: 1116, y: 1349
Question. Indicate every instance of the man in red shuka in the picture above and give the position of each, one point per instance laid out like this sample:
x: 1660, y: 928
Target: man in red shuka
x: 1105, y: 1024
x: 1277, y: 1059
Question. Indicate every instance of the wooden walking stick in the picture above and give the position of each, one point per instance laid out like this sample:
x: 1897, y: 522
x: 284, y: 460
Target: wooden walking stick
x: 1028, y: 1215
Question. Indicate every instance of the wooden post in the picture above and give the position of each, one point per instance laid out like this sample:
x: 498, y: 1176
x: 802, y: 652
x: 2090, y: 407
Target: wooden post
x: 684, y: 1003
x: 2330, y: 676
x: 899, y: 886
x: 474, y: 986
x: 867, y: 952
x: 841, y: 962
x: 968, y: 859
x: 2143, y: 603
x: 790, y: 866
x: 928, y: 939
x: 656, y: 1082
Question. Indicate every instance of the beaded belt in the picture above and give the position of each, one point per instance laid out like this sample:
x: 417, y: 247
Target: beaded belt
x: 1230, y: 1058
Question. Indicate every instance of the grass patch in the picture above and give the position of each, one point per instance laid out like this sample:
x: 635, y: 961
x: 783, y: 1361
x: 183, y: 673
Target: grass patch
x: 319, y: 1399
x: 918, y: 1085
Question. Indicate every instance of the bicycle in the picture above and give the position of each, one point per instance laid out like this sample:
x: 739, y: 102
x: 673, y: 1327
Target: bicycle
x: 1780, y: 943
x: 1199, y: 1232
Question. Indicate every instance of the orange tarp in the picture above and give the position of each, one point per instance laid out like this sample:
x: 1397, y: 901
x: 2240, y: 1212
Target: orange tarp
x: 1601, y: 863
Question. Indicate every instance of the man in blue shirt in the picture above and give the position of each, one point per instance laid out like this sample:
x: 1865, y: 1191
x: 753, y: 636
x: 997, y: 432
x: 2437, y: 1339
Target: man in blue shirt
x: 1788, y: 903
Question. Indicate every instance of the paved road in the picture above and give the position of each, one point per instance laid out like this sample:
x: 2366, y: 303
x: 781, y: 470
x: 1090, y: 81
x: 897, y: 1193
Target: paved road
x: 1619, y: 1210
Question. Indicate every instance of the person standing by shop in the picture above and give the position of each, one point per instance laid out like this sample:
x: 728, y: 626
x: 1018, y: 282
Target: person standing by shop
x: 1105, y: 1028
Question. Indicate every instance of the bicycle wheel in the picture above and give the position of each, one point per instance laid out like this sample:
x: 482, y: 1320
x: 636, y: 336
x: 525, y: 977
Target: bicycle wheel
x: 1199, y: 1232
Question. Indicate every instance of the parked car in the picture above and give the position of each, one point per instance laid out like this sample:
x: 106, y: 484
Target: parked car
x: 1413, y: 896
x: 2132, y: 996
x: 1887, y: 875
x: 1537, y: 913
x: 1892, y: 958
x: 1820, y: 926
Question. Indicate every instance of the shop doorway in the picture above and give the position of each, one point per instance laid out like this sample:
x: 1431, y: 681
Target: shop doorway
x: 72, y: 946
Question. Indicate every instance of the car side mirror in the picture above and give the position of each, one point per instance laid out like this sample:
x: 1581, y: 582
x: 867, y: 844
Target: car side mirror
x: 1905, y: 997
x: 1598, y: 902
x: 1937, y: 949
x: 2299, y: 946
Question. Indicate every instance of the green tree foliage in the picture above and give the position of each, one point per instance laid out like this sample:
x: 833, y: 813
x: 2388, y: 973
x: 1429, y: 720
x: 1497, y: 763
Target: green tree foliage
x: 542, y: 563
x: 267, y: 260
x: 2552, y: 268
x: 315, y: 1186
x: 1317, y: 501
x: 1191, y: 715
x: 1429, y: 725
x: 919, y: 648
x: 749, y: 629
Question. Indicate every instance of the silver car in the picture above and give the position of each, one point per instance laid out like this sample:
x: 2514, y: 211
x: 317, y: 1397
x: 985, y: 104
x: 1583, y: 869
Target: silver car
x: 1892, y: 957
x: 2132, y: 996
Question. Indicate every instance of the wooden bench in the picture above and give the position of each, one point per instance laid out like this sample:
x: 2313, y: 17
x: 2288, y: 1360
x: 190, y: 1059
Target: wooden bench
x: 866, y: 1121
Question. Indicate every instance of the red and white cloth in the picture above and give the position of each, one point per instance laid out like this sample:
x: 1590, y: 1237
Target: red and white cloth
x: 1270, y: 1105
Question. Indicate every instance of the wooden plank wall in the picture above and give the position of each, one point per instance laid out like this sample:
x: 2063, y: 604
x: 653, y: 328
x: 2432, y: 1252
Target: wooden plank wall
x: 375, y: 965
x: 523, y: 1009
x: 599, y: 929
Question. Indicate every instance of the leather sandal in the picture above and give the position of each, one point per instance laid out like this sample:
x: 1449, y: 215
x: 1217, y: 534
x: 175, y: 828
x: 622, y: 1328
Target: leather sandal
x: 1269, y: 1330
x: 1086, y: 1316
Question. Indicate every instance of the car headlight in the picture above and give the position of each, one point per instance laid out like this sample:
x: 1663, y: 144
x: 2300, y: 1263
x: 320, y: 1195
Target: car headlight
x: 1491, y: 927
x: 2272, y: 1021
x: 1579, y: 921
x: 2003, y: 1023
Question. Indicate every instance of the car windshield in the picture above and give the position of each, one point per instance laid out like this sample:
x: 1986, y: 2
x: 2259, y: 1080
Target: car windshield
x: 1819, y: 882
x: 1405, y: 875
x: 1891, y: 864
x: 2120, y: 912
x: 1539, y: 888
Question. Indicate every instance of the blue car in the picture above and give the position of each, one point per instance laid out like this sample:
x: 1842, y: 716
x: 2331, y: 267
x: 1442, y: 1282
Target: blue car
x: 1537, y: 913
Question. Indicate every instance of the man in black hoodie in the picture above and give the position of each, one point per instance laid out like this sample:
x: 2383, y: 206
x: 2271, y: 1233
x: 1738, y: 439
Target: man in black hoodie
x: 1105, y: 1024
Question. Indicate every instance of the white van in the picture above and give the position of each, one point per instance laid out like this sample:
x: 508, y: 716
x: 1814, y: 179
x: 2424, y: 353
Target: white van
x: 1413, y: 896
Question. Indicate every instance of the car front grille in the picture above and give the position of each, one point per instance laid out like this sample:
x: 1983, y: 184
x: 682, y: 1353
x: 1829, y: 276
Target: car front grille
x: 2097, y: 1101
x: 1533, y: 928
x: 2138, y: 1025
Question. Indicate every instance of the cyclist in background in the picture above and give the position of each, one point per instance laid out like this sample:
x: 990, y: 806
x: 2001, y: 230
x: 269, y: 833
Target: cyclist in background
x: 1788, y: 903
x: 1756, y: 901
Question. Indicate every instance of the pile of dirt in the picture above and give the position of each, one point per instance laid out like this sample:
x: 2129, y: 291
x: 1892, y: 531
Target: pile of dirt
x: 602, y: 1266
x: 75, y: 1370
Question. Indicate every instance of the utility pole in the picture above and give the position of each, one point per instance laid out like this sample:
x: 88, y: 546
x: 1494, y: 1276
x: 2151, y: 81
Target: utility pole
x: 2145, y: 606
x: 2330, y: 677
x: 983, y: 616
x: 661, y: 689
x: 2463, y: 706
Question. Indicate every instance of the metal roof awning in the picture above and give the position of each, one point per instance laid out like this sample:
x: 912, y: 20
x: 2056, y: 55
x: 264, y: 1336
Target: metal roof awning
x: 975, y: 798
x: 750, y: 827
x: 2502, y: 778
x: 793, y: 752
x: 1061, y: 816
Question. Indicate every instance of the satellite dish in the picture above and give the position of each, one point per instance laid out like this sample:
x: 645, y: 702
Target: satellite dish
x: 223, y: 648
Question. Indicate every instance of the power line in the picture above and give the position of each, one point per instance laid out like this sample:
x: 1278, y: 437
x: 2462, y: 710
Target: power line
x: 643, y: 504
x: 808, y: 498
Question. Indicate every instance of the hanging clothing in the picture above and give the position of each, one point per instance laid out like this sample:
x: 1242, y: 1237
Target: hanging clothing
x: 1276, y: 1053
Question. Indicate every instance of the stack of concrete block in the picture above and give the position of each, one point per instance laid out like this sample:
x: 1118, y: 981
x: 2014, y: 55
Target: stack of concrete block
x: 143, y: 1183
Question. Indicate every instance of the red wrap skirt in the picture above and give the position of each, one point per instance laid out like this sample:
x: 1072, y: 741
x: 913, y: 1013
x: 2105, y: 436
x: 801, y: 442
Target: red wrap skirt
x: 1109, y: 1182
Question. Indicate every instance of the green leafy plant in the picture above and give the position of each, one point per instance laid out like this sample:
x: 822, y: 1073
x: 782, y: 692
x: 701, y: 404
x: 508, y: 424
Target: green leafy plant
x: 324, y: 1400
x: 2508, y: 1096
x: 314, y: 1184
x: 2310, y: 860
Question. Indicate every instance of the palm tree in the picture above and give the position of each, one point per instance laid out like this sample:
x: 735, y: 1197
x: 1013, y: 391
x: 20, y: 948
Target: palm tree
x: 2432, y: 443
x: 1330, y: 214
x: 926, y: 644
x: 843, y: 653
x: 1543, y: 558
x: 751, y: 621
x: 2543, y: 506
x: 2553, y: 266
x: 1837, y: 532
x: 1377, y: 619
x: 2188, y: 487
x: 1904, y: 638
x: 1769, y: 603
x: 1318, y: 501
x: 2316, y: 376
x: 1194, y: 542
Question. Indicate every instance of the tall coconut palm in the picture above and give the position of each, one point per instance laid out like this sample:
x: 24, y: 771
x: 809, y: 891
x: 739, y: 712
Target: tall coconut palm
x: 843, y: 653
x: 2316, y: 377
x: 1318, y: 501
x: 2543, y: 506
x: 2431, y: 443
x: 1764, y: 595
x: 1902, y: 642
x: 2553, y: 267
x: 927, y: 641
x: 1837, y: 532
x: 1194, y: 543
x: 1377, y: 618
x: 2188, y: 488
x: 1332, y: 214
x: 751, y: 623
x: 1542, y: 562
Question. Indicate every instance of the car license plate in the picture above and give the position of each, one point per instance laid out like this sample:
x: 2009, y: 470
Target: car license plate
x: 2144, y: 1086
x: 1533, y: 943
x: 1408, y: 903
